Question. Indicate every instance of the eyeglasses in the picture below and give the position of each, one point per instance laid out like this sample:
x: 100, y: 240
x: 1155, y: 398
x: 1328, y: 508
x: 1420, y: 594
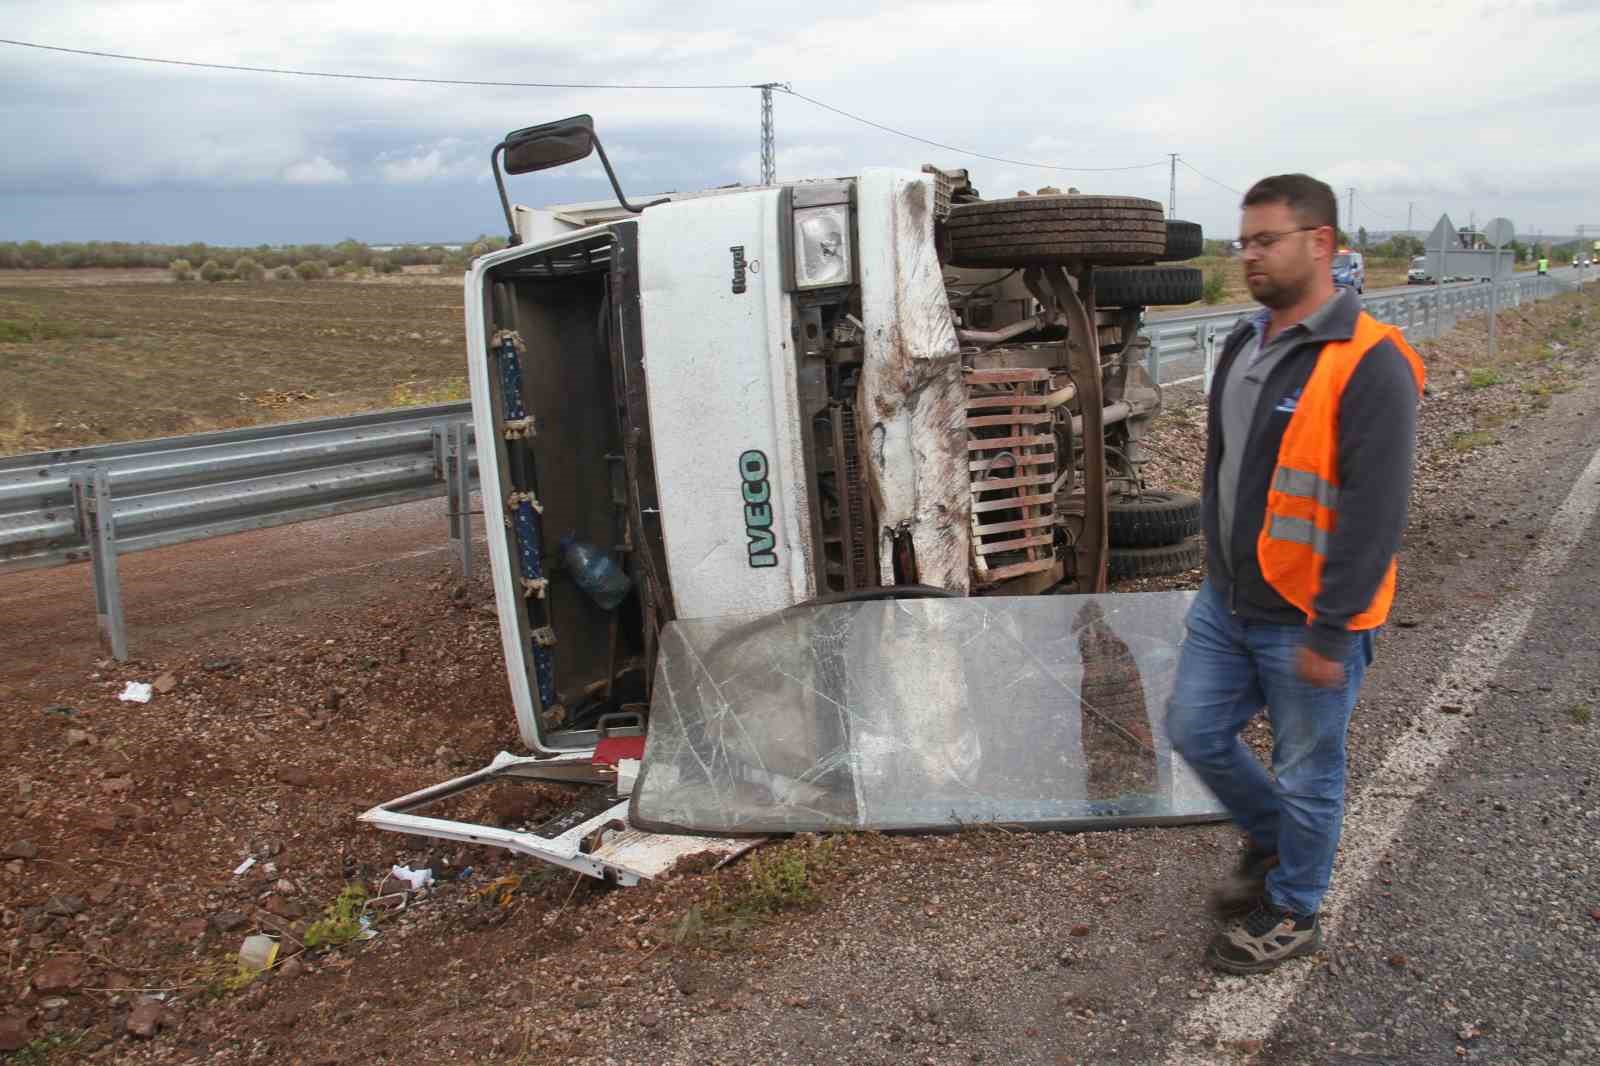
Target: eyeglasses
x: 1266, y: 240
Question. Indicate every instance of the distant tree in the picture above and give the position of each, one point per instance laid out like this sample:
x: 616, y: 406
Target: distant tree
x: 284, y: 273
x: 1361, y: 237
x: 311, y: 269
x: 181, y: 269
x: 247, y: 269
x: 212, y: 271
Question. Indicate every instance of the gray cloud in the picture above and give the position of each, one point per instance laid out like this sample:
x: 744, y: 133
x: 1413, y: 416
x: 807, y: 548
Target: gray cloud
x: 1408, y: 105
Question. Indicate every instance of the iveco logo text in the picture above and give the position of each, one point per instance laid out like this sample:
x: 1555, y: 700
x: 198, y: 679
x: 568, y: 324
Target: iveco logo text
x: 757, y: 508
x: 738, y: 267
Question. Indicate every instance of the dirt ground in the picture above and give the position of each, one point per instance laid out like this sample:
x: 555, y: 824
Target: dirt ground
x: 363, y: 669
x: 89, y: 356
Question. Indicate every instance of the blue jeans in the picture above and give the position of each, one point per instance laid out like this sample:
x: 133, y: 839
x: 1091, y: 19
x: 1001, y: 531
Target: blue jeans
x: 1228, y: 670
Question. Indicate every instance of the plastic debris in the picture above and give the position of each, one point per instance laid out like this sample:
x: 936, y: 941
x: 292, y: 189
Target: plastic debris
x: 367, y: 932
x: 244, y: 867
x: 135, y: 692
x: 415, y: 879
x: 257, y: 952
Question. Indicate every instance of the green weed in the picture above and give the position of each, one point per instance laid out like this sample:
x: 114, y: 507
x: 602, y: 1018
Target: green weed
x: 340, y: 922
x: 1470, y: 440
x: 1580, y: 713
x: 38, y: 1051
x: 1483, y: 377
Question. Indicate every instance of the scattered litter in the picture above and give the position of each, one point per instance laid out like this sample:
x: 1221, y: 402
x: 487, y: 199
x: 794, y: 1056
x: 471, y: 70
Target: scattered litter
x: 464, y: 874
x: 396, y: 899
x: 367, y: 932
x: 417, y: 879
x: 165, y: 683
x: 244, y: 867
x: 135, y: 692
x: 257, y: 952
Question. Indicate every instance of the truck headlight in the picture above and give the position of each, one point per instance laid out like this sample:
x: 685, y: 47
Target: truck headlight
x: 822, y: 246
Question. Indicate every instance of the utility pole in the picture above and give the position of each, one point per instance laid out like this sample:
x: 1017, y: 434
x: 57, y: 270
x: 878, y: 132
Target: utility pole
x: 769, y: 155
x: 1172, y: 188
x: 1350, y: 215
x: 1409, y: 206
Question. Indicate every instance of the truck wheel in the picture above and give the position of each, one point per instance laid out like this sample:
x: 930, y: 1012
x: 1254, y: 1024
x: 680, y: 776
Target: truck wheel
x: 1126, y: 563
x: 1147, y: 286
x: 1153, y: 520
x: 1051, y: 230
x: 1184, y: 241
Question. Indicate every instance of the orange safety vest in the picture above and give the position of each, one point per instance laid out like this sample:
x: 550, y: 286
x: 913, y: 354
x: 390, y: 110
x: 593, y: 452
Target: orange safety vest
x: 1303, y: 501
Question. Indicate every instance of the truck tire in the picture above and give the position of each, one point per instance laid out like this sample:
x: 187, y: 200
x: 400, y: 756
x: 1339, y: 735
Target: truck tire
x: 1123, y: 564
x: 1152, y: 520
x: 1051, y: 230
x: 1147, y: 286
x: 1184, y: 241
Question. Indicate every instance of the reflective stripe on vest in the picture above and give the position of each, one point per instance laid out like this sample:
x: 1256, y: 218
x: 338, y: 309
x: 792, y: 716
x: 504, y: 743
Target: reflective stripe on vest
x: 1303, y: 500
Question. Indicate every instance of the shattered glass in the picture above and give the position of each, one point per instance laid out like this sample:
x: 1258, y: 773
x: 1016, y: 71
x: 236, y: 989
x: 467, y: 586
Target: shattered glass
x: 920, y: 714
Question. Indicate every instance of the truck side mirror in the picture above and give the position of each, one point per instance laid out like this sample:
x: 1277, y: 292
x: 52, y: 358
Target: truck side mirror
x: 552, y: 144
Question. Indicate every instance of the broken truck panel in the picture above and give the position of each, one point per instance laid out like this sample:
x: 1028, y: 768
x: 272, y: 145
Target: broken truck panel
x: 595, y: 839
x: 920, y: 715
x: 913, y: 402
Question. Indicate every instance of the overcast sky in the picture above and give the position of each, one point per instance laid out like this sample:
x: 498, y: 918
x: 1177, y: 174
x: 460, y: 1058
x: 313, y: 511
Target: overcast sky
x: 1488, y: 109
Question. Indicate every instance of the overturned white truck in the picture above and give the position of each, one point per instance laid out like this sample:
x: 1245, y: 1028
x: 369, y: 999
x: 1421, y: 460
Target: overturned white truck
x: 839, y: 447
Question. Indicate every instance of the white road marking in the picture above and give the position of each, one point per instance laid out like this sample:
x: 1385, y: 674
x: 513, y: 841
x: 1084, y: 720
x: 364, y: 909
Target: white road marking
x: 1248, y: 1008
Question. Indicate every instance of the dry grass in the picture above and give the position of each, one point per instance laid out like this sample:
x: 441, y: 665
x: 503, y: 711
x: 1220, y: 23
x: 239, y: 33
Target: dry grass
x: 88, y: 358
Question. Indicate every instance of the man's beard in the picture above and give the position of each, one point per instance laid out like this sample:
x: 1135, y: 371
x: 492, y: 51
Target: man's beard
x: 1277, y: 294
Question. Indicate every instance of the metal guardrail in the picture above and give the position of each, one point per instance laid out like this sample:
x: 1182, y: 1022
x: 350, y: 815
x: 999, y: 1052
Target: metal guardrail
x: 1424, y: 313
x: 54, y: 506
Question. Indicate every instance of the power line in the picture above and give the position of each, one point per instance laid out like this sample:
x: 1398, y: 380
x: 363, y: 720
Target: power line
x: 1208, y: 177
x: 963, y: 151
x: 766, y: 87
x: 365, y: 77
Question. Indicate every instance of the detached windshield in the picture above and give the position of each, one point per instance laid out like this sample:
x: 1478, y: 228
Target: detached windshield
x: 920, y: 714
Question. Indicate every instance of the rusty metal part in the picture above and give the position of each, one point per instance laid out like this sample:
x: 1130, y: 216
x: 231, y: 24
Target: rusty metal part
x: 1011, y: 466
x: 1083, y: 360
x: 990, y: 338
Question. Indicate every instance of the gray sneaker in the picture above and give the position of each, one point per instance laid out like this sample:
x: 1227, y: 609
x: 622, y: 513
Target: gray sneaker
x: 1245, y: 886
x: 1265, y: 939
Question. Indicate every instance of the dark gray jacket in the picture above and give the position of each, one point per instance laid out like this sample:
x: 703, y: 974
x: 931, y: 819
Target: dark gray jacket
x: 1377, y: 446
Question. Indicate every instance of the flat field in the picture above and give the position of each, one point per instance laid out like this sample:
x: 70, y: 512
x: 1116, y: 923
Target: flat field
x: 91, y: 356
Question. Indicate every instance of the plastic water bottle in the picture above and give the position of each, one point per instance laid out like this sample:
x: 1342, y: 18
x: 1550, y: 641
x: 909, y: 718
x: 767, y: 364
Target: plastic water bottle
x: 595, y: 572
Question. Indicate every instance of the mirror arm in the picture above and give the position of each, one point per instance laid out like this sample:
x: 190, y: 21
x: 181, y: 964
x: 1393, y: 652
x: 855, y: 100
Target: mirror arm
x: 621, y: 199
x: 505, y: 201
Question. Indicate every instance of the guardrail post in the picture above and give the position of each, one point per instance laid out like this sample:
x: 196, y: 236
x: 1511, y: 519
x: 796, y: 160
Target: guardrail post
x: 459, y: 493
x: 1208, y: 344
x: 91, y: 498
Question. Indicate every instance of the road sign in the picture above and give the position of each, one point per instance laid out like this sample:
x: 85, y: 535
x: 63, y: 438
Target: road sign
x: 1499, y: 232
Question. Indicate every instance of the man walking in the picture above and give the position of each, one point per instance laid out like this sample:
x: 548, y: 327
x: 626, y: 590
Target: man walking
x: 1310, y: 442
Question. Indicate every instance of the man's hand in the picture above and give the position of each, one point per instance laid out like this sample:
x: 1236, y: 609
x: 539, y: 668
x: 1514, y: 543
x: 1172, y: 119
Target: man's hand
x: 1315, y: 670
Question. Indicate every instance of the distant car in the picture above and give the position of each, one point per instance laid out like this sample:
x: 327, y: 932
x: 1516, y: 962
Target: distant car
x: 1418, y: 274
x: 1350, y: 270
